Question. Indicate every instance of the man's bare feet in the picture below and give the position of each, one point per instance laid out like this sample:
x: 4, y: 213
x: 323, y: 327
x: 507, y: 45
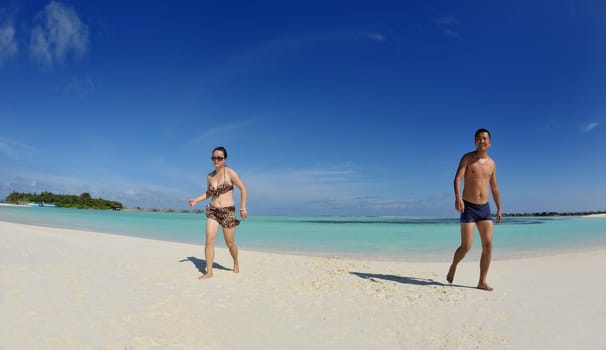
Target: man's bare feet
x: 236, y: 268
x: 451, y: 273
x: 206, y: 276
x: 485, y: 286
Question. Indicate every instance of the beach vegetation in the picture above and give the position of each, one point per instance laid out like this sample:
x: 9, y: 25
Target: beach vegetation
x: 82, y: 201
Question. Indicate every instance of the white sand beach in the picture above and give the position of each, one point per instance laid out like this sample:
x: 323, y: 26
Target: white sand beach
x: 68, y: 289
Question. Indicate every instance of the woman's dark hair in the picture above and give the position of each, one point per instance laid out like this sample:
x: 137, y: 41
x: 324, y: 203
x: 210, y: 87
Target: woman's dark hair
x: 222, y: 149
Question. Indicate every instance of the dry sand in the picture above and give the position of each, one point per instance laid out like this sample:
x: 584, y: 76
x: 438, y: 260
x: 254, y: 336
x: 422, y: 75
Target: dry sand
x: 67, y: 289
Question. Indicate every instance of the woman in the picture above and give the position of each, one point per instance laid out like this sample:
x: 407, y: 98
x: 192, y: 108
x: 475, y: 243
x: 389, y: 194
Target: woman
x: 221, y: 211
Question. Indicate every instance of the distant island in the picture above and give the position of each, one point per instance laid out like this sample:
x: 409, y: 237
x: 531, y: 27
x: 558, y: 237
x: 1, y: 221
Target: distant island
x: 556, y: 213
x: 83, y: 201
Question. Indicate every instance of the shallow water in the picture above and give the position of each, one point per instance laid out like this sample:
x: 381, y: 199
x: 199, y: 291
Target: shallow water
x: 401, y: 238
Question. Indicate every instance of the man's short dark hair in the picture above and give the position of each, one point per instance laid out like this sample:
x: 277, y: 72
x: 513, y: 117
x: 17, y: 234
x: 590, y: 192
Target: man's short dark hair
x: 479, y: 131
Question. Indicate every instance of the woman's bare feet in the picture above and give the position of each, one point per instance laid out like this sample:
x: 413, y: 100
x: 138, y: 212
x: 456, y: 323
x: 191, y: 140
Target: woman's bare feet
x: 451, y: 273
x: 206, y: 276
x: 236, y: 268
x: 485, y: 286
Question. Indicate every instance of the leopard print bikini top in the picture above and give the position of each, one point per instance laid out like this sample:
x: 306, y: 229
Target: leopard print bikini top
x: 219, y: 190
x: 222, y: 188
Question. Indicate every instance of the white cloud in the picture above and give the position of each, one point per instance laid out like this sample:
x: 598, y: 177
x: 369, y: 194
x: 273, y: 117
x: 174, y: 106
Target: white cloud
x: 451, y: 33
x: 446, y: 21
x: 80, y: 86
x: 266, y: 55
x: 13, y: 149
x: 590, y: 126
x: 8, y: 45
x: 376, y: 37
x: 300, y: 184
x: 60, y: 32
x: 130, y: 193
x: 219, y: 132
x: 332, y: 191
x: 446, y: 24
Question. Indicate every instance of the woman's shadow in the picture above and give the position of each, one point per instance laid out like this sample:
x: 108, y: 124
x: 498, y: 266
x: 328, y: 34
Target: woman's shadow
x: 200, y: 264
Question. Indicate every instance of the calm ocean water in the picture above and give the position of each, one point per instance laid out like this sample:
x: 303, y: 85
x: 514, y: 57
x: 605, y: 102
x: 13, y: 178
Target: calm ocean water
x: 401, y: 238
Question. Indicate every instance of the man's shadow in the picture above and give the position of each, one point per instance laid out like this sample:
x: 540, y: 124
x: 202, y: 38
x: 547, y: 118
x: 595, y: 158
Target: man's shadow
x: 200, y: 264
x: 376, y: 277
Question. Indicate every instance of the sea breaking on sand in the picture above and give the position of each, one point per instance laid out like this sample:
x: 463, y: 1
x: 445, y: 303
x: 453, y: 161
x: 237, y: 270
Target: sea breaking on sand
x: 63, y: 288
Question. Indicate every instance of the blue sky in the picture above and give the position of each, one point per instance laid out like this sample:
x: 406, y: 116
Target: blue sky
x: 328, y: 107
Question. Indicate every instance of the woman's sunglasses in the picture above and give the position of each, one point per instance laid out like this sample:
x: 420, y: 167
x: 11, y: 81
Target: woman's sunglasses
x: 220, y: 159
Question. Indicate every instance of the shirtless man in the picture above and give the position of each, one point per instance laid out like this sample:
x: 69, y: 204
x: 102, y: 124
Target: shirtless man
x: 478, y: 171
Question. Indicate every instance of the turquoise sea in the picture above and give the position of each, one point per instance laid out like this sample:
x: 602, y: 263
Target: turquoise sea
x: 400, y: 238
